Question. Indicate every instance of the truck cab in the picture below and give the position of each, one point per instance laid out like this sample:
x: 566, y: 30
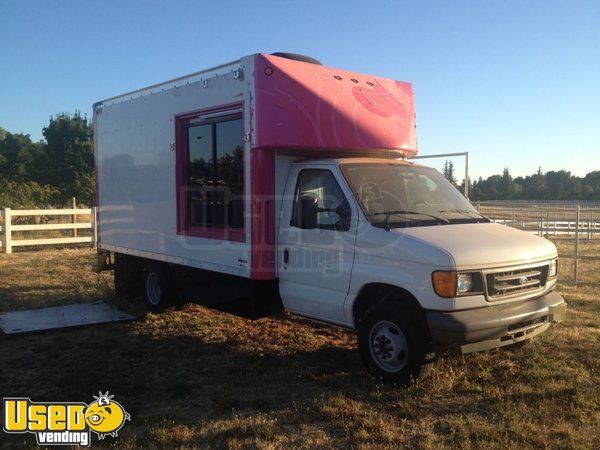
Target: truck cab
x: 395, y: 251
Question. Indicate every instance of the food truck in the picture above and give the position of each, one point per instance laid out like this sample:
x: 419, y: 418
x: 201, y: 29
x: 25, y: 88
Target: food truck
x: 276, y: 183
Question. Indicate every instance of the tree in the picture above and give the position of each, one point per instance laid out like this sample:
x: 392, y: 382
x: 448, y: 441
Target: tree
x: 448, y: 172
x: 590, y: 185
x: 54, y: 171
x: 18, y: 156
x: 69, y: 157
x: 561, y: 185
x: 508, y: 188
x: 26, y: 195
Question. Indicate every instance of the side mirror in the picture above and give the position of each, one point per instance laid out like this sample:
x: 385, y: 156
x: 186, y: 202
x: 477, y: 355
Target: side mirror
x: 306, y: 212
x: 345, y: 216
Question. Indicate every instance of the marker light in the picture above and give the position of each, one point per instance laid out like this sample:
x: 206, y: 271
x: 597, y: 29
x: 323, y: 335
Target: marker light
x: 553, y: 268
x: 444, y: 283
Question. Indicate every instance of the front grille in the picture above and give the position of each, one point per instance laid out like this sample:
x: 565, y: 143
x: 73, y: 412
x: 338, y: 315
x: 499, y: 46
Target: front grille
x: 515, y: 282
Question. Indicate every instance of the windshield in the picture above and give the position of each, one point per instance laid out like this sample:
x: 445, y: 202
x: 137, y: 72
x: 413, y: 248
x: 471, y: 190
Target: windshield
x: 400, y: 195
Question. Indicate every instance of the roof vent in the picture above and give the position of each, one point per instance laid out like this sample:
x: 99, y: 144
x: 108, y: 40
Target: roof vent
x: 297, y: 57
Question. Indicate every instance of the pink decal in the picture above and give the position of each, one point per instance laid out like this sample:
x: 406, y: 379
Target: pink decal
x: 380, y: 101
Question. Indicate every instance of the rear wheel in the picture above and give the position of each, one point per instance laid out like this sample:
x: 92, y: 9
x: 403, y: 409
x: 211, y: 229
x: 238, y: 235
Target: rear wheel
x: 159, y: 291
x: 393, y: 344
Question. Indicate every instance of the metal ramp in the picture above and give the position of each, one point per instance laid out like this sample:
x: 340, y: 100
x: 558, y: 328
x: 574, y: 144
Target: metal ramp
x: 77, y: 315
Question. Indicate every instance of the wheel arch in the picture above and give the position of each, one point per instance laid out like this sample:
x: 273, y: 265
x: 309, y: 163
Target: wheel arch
x: 373, y: 293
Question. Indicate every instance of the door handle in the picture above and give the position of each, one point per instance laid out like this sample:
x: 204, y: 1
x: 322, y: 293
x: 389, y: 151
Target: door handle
x: 286, y: 256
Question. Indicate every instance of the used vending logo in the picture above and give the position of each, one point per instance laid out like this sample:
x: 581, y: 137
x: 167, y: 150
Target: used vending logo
x: 65, y: 423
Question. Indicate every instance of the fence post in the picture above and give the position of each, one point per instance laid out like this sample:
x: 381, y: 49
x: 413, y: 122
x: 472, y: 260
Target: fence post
x: 590, y: 225
x: 95, y: 227
x: 576, y: 242
x: 74, y: 216
x: 7, y: 240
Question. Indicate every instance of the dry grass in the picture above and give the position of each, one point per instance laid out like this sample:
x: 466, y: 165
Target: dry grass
x: 200, y: 378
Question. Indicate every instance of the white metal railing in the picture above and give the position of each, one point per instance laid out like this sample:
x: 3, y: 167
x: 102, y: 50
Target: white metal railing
x: 447, y: 155
x: 8, y: 227
x: 553, y: 227
x: 566, y: 224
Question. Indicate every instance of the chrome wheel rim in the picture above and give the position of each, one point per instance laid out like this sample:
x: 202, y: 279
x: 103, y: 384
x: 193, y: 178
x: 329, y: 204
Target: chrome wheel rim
x: 153, y: 290
x: 388, y: 345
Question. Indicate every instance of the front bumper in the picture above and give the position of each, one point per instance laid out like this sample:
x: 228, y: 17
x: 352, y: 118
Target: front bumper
x: 496, y: 325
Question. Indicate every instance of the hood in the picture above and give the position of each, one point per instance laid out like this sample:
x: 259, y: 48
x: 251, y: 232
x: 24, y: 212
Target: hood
x: 483, y: 245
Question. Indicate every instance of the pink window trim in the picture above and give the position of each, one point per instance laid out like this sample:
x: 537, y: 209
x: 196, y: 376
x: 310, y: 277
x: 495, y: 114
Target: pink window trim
x: 181, y: 176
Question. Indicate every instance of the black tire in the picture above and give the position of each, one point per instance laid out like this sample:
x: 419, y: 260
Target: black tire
x: 157, y: 287
x: 402, y: 337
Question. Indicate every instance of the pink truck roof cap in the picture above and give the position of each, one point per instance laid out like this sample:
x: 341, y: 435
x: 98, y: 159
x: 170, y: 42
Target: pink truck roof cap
x: 308, y: 106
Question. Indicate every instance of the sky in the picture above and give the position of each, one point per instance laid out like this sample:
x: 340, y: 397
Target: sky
x: 514, y: 83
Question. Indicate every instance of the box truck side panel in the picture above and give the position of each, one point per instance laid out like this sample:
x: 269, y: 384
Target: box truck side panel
x: 136, y: 150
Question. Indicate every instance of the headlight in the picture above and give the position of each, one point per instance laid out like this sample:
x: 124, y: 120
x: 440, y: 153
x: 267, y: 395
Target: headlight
x: 452, y: 284
x: 553, y: 268
x: 464, y: 283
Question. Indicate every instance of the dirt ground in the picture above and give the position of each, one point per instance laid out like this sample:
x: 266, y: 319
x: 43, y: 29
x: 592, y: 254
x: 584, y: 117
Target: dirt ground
x: 200, y: 378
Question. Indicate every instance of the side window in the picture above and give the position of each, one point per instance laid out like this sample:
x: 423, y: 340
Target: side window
x: 211, y: 187
x: 319, y: 202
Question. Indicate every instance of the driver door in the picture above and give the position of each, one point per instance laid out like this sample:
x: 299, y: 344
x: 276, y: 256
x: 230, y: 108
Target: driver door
x: 316, y: 247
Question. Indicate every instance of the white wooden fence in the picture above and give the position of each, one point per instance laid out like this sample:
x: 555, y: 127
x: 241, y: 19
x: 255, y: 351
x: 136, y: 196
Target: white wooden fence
x: 8, y: 227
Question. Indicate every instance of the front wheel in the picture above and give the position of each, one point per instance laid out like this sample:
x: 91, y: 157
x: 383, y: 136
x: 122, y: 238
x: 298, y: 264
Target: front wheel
x: 393, y: 344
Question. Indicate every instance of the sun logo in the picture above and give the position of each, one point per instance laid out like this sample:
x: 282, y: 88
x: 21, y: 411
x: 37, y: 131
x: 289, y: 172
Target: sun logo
x: 105, y: 416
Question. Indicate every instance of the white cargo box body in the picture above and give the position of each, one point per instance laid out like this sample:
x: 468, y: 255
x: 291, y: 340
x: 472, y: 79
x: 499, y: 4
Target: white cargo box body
x: 135, y: 137
x: 286, y: 107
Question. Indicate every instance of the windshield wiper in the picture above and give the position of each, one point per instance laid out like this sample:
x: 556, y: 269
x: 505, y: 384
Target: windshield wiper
x: 464, y: 212
x: 392, y: 213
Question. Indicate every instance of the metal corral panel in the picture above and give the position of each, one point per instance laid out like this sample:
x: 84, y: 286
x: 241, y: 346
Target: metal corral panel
x: 77, y: 315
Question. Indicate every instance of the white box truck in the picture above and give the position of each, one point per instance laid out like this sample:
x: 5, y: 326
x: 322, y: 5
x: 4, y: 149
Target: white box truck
x: 275, y: 183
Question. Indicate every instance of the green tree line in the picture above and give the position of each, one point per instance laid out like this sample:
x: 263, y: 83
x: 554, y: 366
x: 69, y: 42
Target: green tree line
x: 49, y: 172
x: 551, y: 185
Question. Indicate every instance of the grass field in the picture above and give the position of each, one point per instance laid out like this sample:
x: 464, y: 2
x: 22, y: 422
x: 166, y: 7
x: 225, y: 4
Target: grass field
x: 200, y: 378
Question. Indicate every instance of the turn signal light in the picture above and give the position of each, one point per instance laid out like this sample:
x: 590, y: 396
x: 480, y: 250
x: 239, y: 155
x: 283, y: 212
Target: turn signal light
x: 444, y: 283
